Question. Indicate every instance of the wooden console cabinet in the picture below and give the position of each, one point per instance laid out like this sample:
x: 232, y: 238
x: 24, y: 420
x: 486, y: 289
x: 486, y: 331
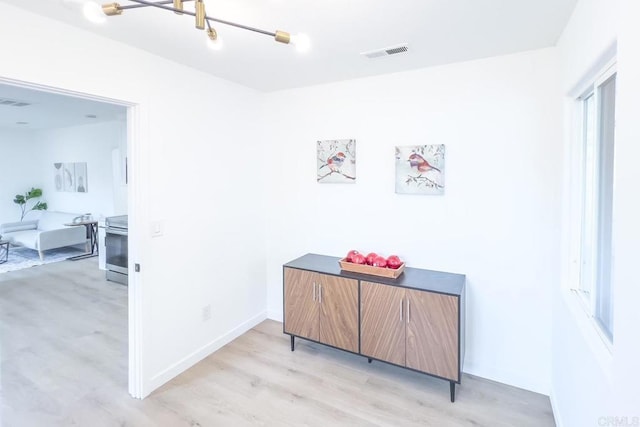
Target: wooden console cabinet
x: 415, y: 321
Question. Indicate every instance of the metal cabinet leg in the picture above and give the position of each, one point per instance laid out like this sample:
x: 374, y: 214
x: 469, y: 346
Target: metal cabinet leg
x: 369, y: 360
x: 293, y: 342
x: 452, y: 387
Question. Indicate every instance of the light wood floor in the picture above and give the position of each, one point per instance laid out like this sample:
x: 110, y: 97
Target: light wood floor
x: 64, y: 363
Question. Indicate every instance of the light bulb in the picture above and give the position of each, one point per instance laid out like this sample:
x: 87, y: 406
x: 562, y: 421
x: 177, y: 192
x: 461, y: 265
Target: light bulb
x: 216, y: 44
x: 93, y: 12
x: 301, y: 41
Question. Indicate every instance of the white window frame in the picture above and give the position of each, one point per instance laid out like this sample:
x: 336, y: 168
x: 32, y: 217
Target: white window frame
x: 585, y: 290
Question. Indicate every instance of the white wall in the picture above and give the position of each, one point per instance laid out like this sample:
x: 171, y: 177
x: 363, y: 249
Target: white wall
x: 19, y: 171
x: 626, y: 372
x: 187, y: 172
x: 497, y: 223
x: 92, y: 144
x: 590, y: 383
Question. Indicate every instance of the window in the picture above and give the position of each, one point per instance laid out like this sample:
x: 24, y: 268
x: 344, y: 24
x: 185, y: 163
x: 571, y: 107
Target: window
x: 597, y: 131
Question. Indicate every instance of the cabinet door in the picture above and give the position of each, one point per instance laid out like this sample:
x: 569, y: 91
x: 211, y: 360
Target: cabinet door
x: 339, y: 312
x: 301, y: 309
x: 432, y: 333
x: 382, y: 325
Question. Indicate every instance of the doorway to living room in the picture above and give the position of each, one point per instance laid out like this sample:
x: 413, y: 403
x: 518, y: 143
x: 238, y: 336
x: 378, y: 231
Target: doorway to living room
x: 73, y: 150
x: 67, y: 163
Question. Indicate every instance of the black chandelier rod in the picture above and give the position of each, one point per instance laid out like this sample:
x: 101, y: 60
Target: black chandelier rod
x: 161, y: 5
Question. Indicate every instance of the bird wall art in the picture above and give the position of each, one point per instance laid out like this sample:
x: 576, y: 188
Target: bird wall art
x: 336, y: 160
x: 420, y: 169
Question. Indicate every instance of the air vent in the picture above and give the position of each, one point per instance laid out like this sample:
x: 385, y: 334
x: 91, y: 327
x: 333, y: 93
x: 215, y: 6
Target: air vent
x: 387, y: 51
x: 13, y: 103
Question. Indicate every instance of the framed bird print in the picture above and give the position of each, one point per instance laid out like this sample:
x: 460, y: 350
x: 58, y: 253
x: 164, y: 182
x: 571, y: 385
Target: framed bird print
x: 336, y: 160
x: 420, y: 169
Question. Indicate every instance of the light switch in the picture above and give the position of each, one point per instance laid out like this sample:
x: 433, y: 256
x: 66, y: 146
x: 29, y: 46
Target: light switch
x: 157, y: 228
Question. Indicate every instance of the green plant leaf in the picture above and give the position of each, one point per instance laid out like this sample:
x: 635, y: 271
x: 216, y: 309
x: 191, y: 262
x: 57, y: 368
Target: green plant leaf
x: 20, y: 200
x: 40, y: 206
x: 34, y: 193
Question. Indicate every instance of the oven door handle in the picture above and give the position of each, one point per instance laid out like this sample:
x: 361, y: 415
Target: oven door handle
x: 118, y: 232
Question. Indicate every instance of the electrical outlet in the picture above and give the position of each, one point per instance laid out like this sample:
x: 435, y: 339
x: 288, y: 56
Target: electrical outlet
x: 206, y: 312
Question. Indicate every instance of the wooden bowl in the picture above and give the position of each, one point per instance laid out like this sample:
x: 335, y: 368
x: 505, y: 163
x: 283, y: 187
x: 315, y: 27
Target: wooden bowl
x: 371, y: 270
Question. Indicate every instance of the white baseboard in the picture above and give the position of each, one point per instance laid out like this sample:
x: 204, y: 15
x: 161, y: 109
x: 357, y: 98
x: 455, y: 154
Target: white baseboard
x: 275, y: 315
x: 195, y: 357
x: 515, y: 379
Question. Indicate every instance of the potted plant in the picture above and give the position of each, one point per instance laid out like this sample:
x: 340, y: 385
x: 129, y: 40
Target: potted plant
x: 23, y: 199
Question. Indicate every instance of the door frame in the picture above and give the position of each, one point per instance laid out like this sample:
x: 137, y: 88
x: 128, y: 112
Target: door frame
x: 135, y: 116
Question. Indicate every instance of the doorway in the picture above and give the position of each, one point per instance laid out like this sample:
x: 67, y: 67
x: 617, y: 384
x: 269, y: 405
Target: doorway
x: 128, y: 171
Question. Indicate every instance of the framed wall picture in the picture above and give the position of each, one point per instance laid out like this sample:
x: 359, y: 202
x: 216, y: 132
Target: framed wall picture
x: 81, y: 177
x: 58, y: 177
x: 420, y: 169
x: 70, y: 177
x: 336, y: 161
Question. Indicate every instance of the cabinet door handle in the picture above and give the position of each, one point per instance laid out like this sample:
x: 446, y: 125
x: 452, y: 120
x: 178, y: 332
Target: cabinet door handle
x: 314, y: 291
x: 320, y: 293
x: 408, y: 310
x: 401, y: 308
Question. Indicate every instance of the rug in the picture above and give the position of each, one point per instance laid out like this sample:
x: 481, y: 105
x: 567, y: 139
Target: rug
x: 20, y: 257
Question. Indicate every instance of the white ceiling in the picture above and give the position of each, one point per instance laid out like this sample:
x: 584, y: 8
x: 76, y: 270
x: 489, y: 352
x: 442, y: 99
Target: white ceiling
x: 438, y: 32
x: 49, y: 110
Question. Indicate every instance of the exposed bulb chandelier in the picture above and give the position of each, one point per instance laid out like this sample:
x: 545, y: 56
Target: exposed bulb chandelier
x: 202, y: 20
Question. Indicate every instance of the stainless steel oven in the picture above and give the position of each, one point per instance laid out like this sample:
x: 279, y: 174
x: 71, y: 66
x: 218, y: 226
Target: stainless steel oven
x: 117, y: 248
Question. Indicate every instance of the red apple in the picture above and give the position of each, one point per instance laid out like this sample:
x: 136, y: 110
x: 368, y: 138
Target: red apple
x: 393, y: 261
x: 359, y: 259
x: 379, y: 261
x: 371, y: 257
x: 351, y: 254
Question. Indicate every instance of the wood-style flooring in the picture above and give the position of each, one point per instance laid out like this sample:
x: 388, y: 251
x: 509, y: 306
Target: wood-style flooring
x: 64, y: 363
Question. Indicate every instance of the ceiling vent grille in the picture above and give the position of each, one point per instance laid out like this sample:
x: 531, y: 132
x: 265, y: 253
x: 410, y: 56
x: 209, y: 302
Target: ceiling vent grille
x: 13, y: 103
x: 387, y: 51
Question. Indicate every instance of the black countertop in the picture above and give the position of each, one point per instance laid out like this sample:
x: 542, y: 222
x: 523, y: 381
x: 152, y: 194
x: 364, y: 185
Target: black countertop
x: 416, y: 278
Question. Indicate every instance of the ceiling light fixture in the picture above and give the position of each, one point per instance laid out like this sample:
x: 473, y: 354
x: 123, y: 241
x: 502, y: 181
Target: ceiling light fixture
x: 301, y: 42
x: 202, y: 21
x: 214, y: 41
x: 93, y: 12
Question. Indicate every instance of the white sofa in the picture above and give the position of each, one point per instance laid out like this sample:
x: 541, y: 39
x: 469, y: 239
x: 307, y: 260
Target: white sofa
x: 47, y: 232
